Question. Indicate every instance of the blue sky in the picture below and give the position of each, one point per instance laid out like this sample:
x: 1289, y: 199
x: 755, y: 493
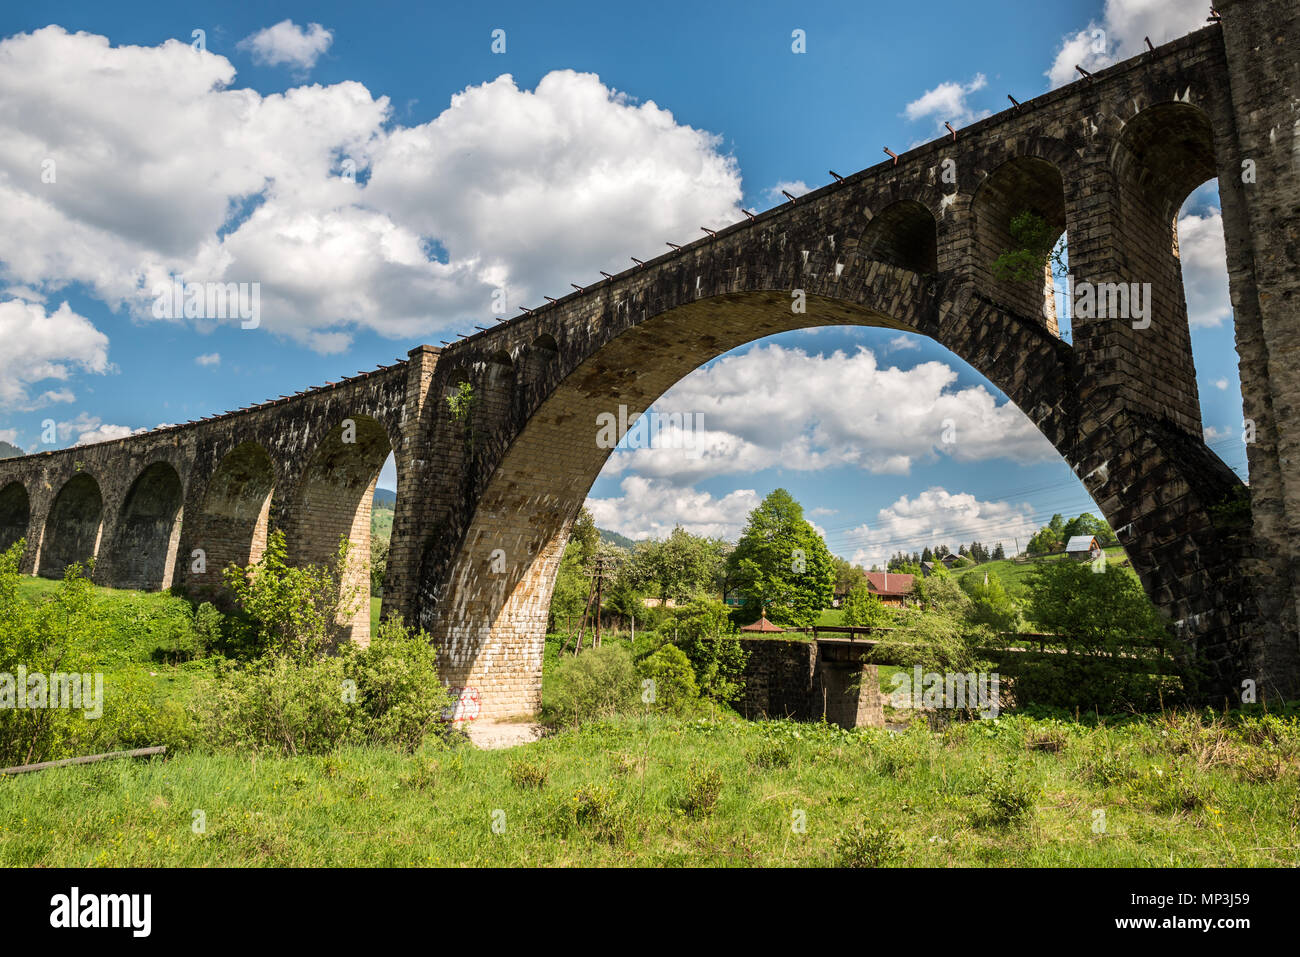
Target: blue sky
x: 225, y: 164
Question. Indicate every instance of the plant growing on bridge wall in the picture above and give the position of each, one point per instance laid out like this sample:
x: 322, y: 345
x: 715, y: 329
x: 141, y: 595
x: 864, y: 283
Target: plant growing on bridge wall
x: 462, y: 402
x: 1036, y: 244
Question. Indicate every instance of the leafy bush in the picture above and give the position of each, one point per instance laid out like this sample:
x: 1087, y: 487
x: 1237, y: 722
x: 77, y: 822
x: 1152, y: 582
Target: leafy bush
x: 1010, y: 796
x: 136, y: 716
x: 294, y: 610
x: 386, y: 694
x: 714, y: 650
x: 595, y: 811
x: 699, y: 792
x: 675, y: 689
x: 864, y: 609
x: 527, y: 775
x: 866, y: 845
x: 771, y: 753
x: 59, y: 635
x: 600, y: 682
x: 1101, y: 619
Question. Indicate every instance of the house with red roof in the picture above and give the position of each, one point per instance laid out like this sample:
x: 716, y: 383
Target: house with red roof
x: 890, y: 587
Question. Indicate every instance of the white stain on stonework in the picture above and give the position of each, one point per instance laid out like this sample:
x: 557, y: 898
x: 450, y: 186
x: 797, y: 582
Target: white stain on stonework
x: 1101, y: 473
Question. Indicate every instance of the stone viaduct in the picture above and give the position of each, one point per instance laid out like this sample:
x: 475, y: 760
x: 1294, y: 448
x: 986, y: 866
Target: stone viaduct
x: 485, y: 501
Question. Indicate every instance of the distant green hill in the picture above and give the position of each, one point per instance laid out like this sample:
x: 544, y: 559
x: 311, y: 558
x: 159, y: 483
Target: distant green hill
x: 1014, y: 575
x: 8, y: 451
x: 614, y: 538
x: 385, y: 498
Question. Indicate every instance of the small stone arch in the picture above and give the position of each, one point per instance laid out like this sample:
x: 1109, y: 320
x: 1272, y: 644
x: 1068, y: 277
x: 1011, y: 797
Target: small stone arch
x: 1022, y: 184
x: 15, y: 514
x: 143, y: 552
x: 541, y: 356
x: 233, y: 521
x: 334, y: 500
x: 72, y: 529
x: 497, y: 389
x: 903, y: 234
x: 1162, y: 154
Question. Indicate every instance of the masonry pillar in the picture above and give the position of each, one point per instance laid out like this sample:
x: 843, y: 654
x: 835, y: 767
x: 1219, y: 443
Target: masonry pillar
x: 1259, y: 181
x: 414, y: 473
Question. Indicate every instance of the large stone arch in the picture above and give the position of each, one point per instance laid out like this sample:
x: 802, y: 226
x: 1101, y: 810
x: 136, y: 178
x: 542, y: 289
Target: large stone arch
x: 15, y: 514
x: 72, y: 528
x: 233, y: 520
x: 333, y: 500
x: 143, y: 549
x: 491, y: 624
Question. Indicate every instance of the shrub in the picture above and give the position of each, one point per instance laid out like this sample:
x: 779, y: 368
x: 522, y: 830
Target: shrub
x: 1010, y: 796
x: 864, y: 845
x: 293, y: 610
x: 397, y: 687
x: 771, y: 753
x: 600, y: 682
x: 700, y: 791
x: 674, y: 686
x: 135, y: 716
x: 715, y: 653
x: 596, y: 811
x: 1099, y: 617
x: 863, y: 608
x: 386, y: 694
x: 59, y: 635
x: 527, y: 775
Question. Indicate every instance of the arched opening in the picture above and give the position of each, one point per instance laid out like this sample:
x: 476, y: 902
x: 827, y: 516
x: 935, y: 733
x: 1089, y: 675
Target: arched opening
x: 498, y: 385
x: 903, y: 234
x: 542, y: 355
x: 1019, y: 208
x: 232, y: 523
x: 1164, y: 153
x: 334, y: 501
x: 148, y: 534
x: 73, y: 526
x: 1173, y: 235
x: 15, y: 514
x: 491, y: 613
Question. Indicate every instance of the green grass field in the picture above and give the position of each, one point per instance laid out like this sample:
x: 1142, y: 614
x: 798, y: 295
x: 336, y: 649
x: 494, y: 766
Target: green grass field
x: 658, y: 792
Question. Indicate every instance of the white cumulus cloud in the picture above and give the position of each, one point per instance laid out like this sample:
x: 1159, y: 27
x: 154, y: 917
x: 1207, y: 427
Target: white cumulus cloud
x: 347, y: 220
x: 776, y: 406
x: 652, y: 509
x: 1120, y: 34
x: 947, y: 103
x: 41, y: 345
x: 939, y: 517
x: 286, y: 43
x: 1205, y: 268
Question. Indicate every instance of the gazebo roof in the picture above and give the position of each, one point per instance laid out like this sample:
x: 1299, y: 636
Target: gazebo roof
x: 764, y: 625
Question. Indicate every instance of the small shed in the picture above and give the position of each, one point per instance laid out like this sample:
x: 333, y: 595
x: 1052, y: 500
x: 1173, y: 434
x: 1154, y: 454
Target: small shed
x: 1082, y: 547
x: 764, y: 626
